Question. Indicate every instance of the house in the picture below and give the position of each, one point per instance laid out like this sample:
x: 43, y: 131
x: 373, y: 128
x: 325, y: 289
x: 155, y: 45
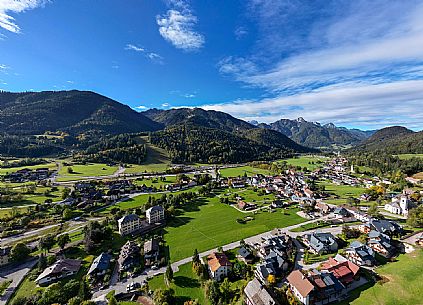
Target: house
x: 155, y: 214
x: 219, y: 265
x: 129, y: 256
x: 321, y: 243
x: 360, y: 254
x: 245, y: 255
x: 129, y: 224
x: 344, y: 270
x: 4, y: 256
x: 59, y: 270
x: 388, y: 227
x: 300, y: 286
x: 256, y: 294
x: 242, y: 205
x: 323, y: 208
x: 315, y: 287
x: 151, y: 251
x: 100, y: 265
x: 381, y: 243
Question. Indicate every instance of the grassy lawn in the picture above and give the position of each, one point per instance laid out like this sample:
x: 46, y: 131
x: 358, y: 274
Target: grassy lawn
x: 6, y: 211
x: 343, y: 191
x: 304, y: 161
x: 404, y: 286
x: 87, y: 170
x: 155, y: 182
x: 206, y: 223
x: 4, y: 171
x: 186, y: 285
x: 311, y: 226
x: 240, y: 171
x: 249, y: 195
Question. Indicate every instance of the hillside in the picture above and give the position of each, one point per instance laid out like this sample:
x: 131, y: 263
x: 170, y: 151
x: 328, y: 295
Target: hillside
x: 394, y: 140
x: 70, y: 111
x: 199, y: 117
x: 193, y: 143
x: 313, y: 134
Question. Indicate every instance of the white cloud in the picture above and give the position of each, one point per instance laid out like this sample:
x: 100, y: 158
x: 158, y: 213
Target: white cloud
x: 134, y: 48
x: 189, y: 95
x: 177, y: 27
x: 165, y: 105
x: 4, y: 68
x: 2, y: 36
x: 7, y: 7
x: 70, y: 81
x: 240, y: 32
x: 141, y: 108
x: 150, y: 55
x: 369, y: 105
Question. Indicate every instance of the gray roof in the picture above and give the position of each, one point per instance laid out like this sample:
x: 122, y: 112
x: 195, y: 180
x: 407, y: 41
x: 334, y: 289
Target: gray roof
x: 128, y: 218
x: 258, y: 294
x: 155, y: 208
x: 100, y: 263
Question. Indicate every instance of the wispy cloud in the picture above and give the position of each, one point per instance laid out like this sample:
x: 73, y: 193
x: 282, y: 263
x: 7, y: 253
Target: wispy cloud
x: 4, y: 68
x: 240, y: 32
x: 177, y: 26
x: 339, y: 68
x: 368, y: 105
x: 165, y: 105
x: 8, y: 7
x: 141, y: 108
x: 150, y: 55
x: 2, y: 36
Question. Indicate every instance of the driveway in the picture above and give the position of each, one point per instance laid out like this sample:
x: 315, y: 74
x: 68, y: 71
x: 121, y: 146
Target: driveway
x: 16, y: 274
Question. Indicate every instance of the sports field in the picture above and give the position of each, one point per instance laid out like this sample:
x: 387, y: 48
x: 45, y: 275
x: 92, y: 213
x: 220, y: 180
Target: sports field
x: 86, y: 170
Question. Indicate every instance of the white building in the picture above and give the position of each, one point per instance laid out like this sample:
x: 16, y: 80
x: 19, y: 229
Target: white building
x: 399, y: 205
x: 59, y: 270
x: 155, y: 214
x: 219, y: 266
x: 129, y: 224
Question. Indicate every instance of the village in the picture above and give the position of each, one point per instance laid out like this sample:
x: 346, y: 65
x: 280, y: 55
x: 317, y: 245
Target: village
x: 121, y: 248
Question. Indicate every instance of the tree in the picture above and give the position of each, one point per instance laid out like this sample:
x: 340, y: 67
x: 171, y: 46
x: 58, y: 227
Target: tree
x: 65, y: 192
x: 164, y: 296
x: 42, y: 262
x: 271, y: 279
x: 74, y: 301
x: 62, y: 240
x: 373, y: 210
x: 212, y: 291
x: 415, y: 217
x: 168, y: 277
x: 196, y: 257
x: 225, y: 291
x: 19, y: 252
x: 67, y: 214
x: 112, y: 301
x: 46, y: 242
x: 70, y: 170
x: 84, y: 291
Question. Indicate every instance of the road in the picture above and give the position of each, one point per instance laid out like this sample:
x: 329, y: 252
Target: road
x: 120, y: 286
x: 16, y: 275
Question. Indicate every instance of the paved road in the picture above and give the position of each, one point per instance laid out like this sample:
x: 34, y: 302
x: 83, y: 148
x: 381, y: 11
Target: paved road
x: 121, y: 285
x: 16, y: 275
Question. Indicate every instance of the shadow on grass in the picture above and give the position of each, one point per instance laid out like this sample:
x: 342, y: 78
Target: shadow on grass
x: 186, y: 282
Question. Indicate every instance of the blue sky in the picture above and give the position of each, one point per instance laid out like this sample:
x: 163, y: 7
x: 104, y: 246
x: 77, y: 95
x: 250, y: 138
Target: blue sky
x: 355, y: 63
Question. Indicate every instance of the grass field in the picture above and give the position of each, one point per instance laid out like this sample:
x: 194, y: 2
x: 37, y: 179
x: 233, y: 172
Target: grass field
x: 87, y: 170
x: 4, y: 171
x: 409, y: 156
x: 249, y: 195
x: 240, y: 171
x: 186, y: 285
x: 154, y: 182
x: 404, y: 286
x: 206, y: 223
x: 157, y: 160
x: 304, y: 161
x: 343, y: 191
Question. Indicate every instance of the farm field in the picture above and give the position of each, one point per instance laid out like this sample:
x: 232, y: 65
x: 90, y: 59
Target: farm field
x: 4, y: 171
x: 403, y: 286
x: 249, y: 195
x: 196, y: 226
x: 240, y: 171
x: 186, y: 285
x: 6, y: 211
x: 155, y: 182
x: 87, y: 170
x: 304, y: 161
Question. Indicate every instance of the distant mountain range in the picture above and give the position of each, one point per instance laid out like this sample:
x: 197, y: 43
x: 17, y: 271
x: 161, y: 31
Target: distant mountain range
x: 314, y: 134
x: 187, y: 134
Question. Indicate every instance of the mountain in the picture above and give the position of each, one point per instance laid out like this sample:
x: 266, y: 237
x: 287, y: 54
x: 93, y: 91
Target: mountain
x: 394, y: 140
x: 197, y: 135
x: 70, y: 111
x: 312, y: 134
x: 199, y: 117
